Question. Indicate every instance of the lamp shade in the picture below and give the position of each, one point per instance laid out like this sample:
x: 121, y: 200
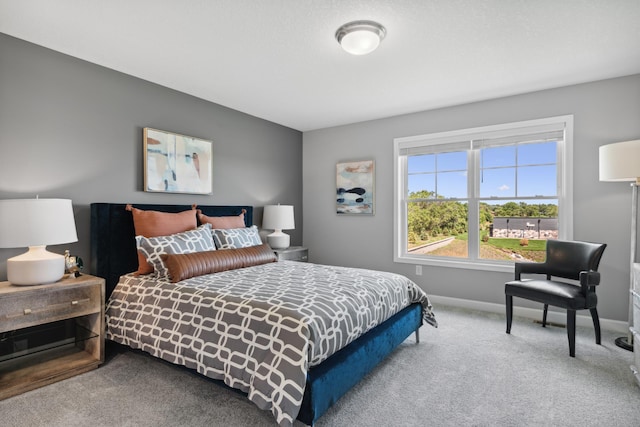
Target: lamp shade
x: 36, y: 223
x: 278, y: 217
x: 32, y: 222
x: 620, y: 161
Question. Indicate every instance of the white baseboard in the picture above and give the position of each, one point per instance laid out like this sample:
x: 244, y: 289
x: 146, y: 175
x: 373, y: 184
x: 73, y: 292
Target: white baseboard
x: 530, y: 313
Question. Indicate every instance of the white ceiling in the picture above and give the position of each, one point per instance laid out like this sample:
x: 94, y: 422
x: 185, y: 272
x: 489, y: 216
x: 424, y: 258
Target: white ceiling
x: 279, y: 60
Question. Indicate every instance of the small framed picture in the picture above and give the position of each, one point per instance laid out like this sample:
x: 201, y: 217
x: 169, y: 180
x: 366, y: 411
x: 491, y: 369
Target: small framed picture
x: 175, y: 163
x: 355, y: 187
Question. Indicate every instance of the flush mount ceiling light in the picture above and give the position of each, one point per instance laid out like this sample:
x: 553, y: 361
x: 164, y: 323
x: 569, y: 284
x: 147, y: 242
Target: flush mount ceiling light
x: 360, y: 37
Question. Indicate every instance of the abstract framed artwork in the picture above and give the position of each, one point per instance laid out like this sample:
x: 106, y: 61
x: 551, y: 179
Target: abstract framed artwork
x: 355, y: 187
x: 175, y: 163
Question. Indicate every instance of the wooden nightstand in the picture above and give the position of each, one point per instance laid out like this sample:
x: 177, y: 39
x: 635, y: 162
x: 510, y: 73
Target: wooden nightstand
x: 293, y: 253
x: 73, y: 308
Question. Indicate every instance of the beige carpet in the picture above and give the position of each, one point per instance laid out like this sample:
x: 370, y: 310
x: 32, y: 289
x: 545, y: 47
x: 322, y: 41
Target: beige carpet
x: 468, y: 372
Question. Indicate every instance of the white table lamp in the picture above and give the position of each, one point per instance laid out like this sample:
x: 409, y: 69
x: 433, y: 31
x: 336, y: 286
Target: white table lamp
x: 278, y: 218
x: 621, y: 162
x: 36, y: 223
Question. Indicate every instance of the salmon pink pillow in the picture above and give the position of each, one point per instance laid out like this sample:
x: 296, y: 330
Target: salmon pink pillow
x: 223, y: 222
x: 155, y: 224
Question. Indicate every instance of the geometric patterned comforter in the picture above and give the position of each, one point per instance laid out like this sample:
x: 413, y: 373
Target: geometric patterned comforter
x: 260, y: 328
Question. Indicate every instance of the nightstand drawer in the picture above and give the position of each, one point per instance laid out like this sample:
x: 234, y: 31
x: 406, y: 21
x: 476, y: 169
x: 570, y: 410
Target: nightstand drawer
x: 293, y: 253
x: 31, y: 308
x: 635, y: 296
x: 636, y: 354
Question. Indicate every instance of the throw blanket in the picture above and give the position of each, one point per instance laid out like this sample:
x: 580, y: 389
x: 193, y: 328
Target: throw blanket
x: 259, y: 328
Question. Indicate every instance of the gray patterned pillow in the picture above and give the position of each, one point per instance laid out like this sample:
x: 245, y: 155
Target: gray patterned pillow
x: 236, y: 238
x: 197, y: 240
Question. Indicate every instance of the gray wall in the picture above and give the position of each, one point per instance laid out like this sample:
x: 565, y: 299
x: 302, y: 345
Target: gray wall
x: 604, y: 112
x: 72, y: 129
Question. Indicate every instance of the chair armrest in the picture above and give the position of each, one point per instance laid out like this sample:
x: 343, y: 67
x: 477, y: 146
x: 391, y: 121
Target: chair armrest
x: 588, y: 279
x: 529, y: 268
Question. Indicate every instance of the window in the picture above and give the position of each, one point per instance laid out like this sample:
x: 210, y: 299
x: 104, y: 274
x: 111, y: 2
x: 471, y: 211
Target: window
x: 483, y: 197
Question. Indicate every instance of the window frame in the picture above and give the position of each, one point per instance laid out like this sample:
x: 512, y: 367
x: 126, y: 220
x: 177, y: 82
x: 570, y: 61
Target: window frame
x: 564, y: 151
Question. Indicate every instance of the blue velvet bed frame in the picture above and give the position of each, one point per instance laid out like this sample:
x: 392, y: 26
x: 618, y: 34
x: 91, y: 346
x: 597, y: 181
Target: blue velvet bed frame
x: 113, y: 253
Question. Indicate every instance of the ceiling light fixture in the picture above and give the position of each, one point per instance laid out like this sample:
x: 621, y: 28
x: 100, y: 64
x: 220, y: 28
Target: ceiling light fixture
x: 360, y: 37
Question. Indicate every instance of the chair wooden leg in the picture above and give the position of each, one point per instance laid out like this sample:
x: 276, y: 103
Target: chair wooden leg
x: 544, y: 315
x: 571, y: 332
x: 509, y: 312
x: 596, y: 323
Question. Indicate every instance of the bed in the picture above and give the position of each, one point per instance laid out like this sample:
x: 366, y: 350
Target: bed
x: 114, y: 256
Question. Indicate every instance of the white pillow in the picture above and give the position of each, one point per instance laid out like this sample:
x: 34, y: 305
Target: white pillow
x: 236, y: 238
x: 197, y: 240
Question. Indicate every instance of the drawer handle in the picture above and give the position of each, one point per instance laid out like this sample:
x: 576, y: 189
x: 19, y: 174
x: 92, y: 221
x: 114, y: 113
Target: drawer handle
x: 52, y: 307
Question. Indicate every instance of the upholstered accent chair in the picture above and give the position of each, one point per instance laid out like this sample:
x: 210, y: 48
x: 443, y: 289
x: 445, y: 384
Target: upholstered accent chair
x: 576, y: 263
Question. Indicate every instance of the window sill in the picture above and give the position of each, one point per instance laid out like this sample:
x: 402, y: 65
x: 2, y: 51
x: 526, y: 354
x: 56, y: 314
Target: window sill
x: 484, y: 265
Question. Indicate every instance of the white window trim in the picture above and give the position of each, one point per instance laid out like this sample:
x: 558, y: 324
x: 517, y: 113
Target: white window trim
x: 565, y: 194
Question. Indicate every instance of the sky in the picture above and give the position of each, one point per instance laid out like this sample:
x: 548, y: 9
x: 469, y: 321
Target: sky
x: 525, y: 170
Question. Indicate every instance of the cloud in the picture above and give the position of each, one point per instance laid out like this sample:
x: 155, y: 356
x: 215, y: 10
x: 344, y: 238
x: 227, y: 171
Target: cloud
x: 503, y: 187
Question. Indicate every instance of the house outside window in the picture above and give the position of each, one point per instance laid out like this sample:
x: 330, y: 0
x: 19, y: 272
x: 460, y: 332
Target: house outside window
x: 485, y: 197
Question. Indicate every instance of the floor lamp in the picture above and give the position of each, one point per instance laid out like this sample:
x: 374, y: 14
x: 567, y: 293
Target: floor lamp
x: 621, y: 162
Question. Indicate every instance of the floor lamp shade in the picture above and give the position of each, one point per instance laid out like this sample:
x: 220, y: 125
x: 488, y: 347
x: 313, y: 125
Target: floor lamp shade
x: 36, y: 223
x: 278, y: 218
x: 620, y: 161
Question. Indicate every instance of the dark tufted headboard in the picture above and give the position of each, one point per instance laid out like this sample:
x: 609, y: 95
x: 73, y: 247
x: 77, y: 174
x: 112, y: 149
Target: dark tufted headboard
x: 113, y: 246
